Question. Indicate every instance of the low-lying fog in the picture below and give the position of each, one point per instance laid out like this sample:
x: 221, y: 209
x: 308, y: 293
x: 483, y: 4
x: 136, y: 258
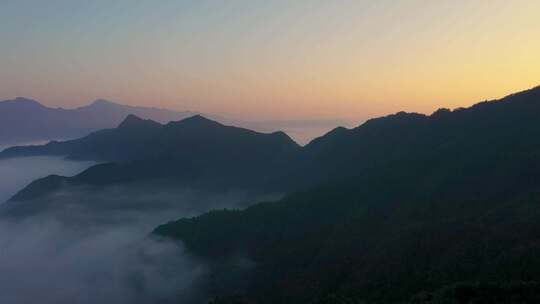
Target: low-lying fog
x: 16, y: 173
x: 4, y: 145
x: 92, y: 245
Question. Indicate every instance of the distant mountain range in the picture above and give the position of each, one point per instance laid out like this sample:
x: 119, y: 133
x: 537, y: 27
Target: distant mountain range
x: 24, y: 121
x: 340, y: 154
x: 399, y: 209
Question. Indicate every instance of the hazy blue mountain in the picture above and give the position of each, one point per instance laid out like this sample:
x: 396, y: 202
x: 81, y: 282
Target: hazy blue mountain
x: 24, y: 120
x: 139, y: 139
x: 126, y: 142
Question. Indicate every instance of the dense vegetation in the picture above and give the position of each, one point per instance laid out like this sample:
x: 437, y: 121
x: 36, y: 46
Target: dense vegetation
x: 404, y: 207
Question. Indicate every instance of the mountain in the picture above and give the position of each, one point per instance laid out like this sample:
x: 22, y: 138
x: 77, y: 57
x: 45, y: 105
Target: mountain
x: 405, y: 208
x: 302, y: 131
x: 126, y: 142
x: 340, y: 154
x: 195, y: 151
x: 141, y: 139
x: 24, y: 120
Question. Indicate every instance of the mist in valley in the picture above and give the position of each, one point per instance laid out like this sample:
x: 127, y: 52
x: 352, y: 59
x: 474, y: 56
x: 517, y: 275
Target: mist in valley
x: 16, y: 173
x: 87, y: 244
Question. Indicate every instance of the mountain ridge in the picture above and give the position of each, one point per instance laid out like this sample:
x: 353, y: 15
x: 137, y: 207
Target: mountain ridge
x: 196, y: 148
x: 329, y: 157
x: 25, y: 120
x: 36, y: 122
x: 368, y: 209
x: 403, y: 206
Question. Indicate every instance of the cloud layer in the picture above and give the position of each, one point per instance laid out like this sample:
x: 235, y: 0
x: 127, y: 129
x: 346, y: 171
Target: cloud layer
x: 18, y: 172
x: 92, y: 245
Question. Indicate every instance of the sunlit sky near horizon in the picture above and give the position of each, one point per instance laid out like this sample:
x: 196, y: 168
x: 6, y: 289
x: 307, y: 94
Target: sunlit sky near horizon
x: 264, y: 59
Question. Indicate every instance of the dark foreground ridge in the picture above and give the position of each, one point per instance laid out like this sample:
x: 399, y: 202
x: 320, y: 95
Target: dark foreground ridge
x: 406, y: 208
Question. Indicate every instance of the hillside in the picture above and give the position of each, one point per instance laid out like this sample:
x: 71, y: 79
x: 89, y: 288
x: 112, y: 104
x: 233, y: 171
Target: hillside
x: 407, y: 204
x: 193, y: 151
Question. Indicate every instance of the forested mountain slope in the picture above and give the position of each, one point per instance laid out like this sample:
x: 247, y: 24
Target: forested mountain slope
x: 411, y: 204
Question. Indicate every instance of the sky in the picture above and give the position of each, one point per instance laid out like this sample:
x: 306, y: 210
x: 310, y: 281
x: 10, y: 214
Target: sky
x: 262, y: 59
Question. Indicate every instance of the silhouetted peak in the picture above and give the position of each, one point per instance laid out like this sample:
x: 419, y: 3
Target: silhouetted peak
x: 394, y: 119
x: 103, y: 103
x: 442, y: 112
x: 22, y: 101
x: 329, y: 137
x: 337, y: 131
x: 196, y: 120
x: 132, y: 121
x: 283, y: 137
x: 280, y: 134
x: 39, y: 187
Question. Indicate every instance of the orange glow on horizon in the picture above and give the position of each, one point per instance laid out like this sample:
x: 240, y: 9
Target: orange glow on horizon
x: 311, y: 60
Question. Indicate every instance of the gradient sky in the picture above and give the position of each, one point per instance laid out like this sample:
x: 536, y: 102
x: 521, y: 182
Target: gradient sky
x: 263, y: 59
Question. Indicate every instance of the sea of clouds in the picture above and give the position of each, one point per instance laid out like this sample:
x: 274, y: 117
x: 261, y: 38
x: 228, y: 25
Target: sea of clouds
x: 87, y: 244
